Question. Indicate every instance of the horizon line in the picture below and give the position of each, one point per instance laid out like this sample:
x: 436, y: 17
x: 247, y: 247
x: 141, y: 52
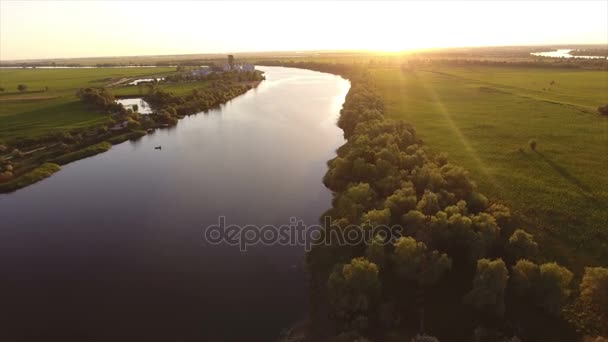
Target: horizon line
x: 369, y: 51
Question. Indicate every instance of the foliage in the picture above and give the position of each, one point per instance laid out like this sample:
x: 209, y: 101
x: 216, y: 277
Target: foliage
x: 521, y: 245
x: 589, y: 312
x: 384, y: 173
x: 354, y: 291
x: 413, y: 261
x: 487, y: 295
x: 101, y: 99
x: 38, y: 174
x: 547, y: 285
x: 82, y: 153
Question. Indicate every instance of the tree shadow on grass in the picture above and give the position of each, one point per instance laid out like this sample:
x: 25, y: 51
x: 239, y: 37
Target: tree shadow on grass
x: 586, y: 190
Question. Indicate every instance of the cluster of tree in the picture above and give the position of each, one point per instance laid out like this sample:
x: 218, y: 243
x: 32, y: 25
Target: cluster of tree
x: 169, y: 107
x: 101, y: 99
x: 245, y: 76
x: 600, y: 52
x: 458, y: 268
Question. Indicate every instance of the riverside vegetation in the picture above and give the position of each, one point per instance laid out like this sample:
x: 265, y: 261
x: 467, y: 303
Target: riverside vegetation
x: 462, y: 269
x: 34, y: 155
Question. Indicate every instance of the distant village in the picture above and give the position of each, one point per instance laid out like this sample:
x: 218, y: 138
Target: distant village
x: 229, y: 66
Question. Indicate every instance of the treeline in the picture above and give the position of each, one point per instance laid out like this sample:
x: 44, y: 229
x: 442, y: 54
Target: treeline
x: 600, y: 52
x: 20, y: 161
x: 101, y: 99
x: 187, y: 75
x: 460, y: 269
x: 537, y: 62
x: 169, y: 108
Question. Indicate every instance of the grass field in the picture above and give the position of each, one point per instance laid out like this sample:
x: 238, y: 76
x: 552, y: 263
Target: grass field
x: 175, y: 88
x: 482, y: 116
x: 39, y: 111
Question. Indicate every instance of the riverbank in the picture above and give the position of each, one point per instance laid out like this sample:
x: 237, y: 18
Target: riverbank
x: 431, y: 272
x: 27, y: 164
x: 133, y: 216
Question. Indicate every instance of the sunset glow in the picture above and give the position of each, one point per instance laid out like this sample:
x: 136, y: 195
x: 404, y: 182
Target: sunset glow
x: 49, y: 29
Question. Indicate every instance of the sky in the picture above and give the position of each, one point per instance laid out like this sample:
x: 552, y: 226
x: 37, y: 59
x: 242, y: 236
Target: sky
x: 62, y: 29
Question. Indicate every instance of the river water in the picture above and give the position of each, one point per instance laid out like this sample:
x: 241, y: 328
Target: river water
x: 111, y: 249
x: 562, y: 53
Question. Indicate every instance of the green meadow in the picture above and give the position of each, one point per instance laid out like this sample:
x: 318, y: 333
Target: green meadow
x: 49, y: 104
x: 484, y: 117
x: 180, y: 88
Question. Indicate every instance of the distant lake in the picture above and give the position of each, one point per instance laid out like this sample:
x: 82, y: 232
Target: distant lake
x: 561, y: 53
x: 111, y: 249
x: 142, y: 106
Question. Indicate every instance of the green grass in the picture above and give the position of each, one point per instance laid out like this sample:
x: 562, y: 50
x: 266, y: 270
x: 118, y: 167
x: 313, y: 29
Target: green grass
x: 175, y: 88
x: 38, y: 112
x: 481, y: 116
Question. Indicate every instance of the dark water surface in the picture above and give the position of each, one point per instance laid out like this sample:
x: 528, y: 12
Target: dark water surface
x: 110, y: 248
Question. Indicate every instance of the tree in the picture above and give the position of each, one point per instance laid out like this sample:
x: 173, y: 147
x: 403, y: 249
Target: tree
x: 22, y: 87
x: 521, y: 245
x: 554, y: 287
x: 377, y: 217
x: 589, y: 313
x: 1, y: 89
x: 524, y: 277
x: 353, y: 290
x: 413, y: 261
x: 547, y: 285
x: 402, y: 200
x: 429, y: 203
x: 532, y: 144
x: 603, y: 110
x: 375, y: 251
x: 355, y: 201
x: 489, y: 284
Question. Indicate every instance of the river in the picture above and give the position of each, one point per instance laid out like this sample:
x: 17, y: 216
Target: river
x: 562, y: 53
x: 111, y: 249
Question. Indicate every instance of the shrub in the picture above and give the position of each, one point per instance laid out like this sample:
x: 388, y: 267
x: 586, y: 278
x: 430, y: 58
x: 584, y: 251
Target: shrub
x: 16, y: 153
x: 5, y: 176
x: 84, y: 153
x: 521, y: 245
x: 603, y: 110
x: 38, y: 174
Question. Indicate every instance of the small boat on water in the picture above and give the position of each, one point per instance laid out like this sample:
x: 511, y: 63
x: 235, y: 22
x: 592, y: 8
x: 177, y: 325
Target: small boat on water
x: 158, y: 147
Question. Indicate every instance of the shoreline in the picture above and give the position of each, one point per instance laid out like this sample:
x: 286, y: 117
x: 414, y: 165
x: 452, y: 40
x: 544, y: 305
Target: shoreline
x: 53, y: 164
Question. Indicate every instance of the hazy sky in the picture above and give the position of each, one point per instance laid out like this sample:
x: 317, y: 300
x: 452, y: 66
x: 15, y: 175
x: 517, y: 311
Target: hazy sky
x: 51, y: 29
